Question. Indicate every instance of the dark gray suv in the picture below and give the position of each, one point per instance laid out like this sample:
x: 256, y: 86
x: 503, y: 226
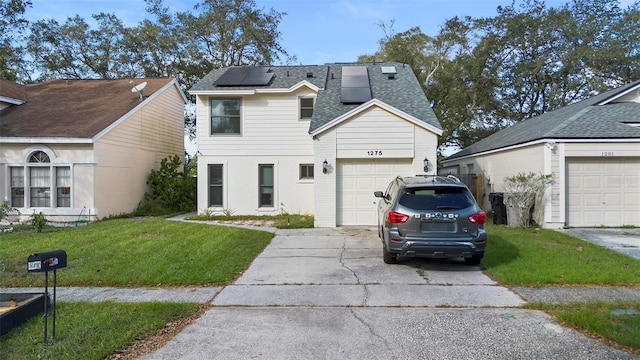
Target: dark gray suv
x: 432, y: 217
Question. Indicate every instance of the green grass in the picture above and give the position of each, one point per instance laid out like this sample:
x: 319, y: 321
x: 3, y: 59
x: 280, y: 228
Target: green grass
x: 538, y: 257
x: 134, y: 252
x: 91, y: 330
x: 281, y: 221
x: 596, y: 318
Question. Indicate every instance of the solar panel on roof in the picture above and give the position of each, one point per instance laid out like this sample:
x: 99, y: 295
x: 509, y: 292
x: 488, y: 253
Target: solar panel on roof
x: 355, y: 87
x: 245, y: 76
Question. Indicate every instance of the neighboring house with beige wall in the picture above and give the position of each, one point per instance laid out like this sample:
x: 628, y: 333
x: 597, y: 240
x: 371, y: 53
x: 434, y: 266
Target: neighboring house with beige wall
x: 592, y: 149
x: 83, y: 149
x: 317, y: 139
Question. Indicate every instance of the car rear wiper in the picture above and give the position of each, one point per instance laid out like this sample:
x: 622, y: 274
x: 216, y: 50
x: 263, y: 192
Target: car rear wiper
x: 447, y: 207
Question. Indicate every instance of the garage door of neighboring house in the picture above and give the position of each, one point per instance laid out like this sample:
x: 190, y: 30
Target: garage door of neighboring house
x: 603, y: 192
x: 357, y: 179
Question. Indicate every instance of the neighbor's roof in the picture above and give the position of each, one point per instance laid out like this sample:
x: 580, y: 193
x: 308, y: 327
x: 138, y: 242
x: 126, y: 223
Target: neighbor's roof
x: 73, y: 108
x: 597, y: 117
x: 12, y: 92
x: 403, y: 92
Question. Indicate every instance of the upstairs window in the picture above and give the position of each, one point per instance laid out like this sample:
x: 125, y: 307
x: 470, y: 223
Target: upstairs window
x: 306, y: 108
x: 225, y: 116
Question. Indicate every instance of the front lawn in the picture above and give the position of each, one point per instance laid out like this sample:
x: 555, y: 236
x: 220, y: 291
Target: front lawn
x: 538, y: 257
x: 134, y: 252
x: 91, y: 331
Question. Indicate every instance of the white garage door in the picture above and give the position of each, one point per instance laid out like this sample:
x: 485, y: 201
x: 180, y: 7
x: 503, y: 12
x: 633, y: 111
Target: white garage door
x: 603, y: 192
x: 357, y: 179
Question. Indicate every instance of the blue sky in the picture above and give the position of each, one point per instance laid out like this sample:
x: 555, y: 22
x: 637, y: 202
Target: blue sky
x: 316, y: 31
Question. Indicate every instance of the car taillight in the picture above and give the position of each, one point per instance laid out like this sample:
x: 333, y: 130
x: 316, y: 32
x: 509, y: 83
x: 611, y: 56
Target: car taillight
x: 396, y: 217
x: 478, y: 218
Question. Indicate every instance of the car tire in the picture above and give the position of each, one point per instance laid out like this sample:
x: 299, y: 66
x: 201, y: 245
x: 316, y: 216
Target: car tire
x: 389, y: 257
x: 474, y: 260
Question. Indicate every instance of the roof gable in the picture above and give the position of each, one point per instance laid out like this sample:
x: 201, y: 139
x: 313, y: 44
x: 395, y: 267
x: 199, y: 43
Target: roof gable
x: 74, y: 108
x: 402, y: 92
x: 600, y: 117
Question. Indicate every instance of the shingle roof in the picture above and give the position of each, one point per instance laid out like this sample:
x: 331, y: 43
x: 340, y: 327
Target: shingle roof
x: 12, y: 90
x: 587, y: 119
x: 403, y: 93
x: 284, y: 77
x: 73, y: 108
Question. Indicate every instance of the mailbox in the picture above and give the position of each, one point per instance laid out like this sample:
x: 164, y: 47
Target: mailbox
x: 47, y: 261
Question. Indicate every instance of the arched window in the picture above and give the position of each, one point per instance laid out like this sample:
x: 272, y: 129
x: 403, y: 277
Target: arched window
x: 44, y: 184
x: 39, y: 157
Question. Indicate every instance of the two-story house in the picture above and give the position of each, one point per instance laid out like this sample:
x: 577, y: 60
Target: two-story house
x: 314, y: 139
x: 84, y: 149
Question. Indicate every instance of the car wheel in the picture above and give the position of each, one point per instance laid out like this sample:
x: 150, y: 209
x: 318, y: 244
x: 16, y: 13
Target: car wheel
x: 389, y: 257
x: 475, y: 260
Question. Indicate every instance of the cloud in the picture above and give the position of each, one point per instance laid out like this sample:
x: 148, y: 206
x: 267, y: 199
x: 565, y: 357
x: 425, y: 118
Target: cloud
x: 364, y: 9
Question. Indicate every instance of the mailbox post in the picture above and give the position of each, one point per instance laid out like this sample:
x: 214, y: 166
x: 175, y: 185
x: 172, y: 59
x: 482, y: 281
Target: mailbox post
x: 45, y: 262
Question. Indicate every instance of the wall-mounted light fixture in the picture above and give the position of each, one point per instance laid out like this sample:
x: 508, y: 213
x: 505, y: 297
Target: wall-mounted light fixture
x: 427, y: 165
x: 325, y: 166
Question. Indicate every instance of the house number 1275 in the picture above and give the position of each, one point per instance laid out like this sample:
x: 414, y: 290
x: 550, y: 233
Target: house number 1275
x: 374, y: 152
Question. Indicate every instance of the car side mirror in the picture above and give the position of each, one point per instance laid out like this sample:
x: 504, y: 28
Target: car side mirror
x: 378, y: 194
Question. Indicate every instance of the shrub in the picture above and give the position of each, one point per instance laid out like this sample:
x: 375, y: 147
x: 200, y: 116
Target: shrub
x: 172, y: 190
x: 6, y: 209
x: 38, y: 221
x: 523, y: 188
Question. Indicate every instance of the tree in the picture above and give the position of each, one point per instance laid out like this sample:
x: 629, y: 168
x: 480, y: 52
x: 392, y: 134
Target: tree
x: 484, y: 74
x: 12, y: 25
x: 74, y: 50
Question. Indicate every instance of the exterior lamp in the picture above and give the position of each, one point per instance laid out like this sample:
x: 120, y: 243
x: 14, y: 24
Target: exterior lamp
x: 325, y: 166
x: 427, y: 165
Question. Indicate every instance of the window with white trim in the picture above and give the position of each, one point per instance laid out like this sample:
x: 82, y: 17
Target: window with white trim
x: 306, y: 172
x: 306, y: 107
x: 265, y: 174
x: 215, y: 185
x: 225, y: 116
x: 40, y: 184
x: 17, y: 186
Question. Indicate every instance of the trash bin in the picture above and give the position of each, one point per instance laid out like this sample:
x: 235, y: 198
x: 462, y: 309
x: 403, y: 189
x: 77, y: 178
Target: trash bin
x: 498, y: 208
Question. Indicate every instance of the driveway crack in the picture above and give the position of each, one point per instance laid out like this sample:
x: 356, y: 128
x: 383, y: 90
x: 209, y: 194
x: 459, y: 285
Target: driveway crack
x: 354, y: 273
x: 371, y: 329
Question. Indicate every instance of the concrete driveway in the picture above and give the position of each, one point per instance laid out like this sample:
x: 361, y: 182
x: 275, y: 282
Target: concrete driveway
x: 326, y: 294
x: 626, y: 241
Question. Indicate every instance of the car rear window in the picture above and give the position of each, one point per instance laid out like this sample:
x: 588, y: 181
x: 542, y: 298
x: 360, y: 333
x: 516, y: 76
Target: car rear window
x: 437, y: 198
